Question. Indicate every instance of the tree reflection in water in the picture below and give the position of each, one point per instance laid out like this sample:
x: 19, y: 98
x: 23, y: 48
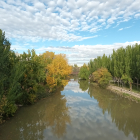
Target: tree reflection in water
x: 32, y: 121
x: 124, y: 113
x: 49, y: 118
x: 56, y: 115
x: 74, y: 77
x: 83, y: 84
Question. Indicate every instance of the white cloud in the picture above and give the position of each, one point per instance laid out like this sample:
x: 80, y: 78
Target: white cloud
x: 125, y: 28
x: 55, y: 20
x: 137, y: 15
x: 72, y: 100
x: 39, y: 5
x: 60, y: 2
x: 120, y: 29
x: 95, y: 29
x: 18, y: 48
x: 83, y: 38
x: 79, y: 54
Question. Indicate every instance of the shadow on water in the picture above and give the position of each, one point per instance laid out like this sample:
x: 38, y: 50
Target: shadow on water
x: 30, y: 123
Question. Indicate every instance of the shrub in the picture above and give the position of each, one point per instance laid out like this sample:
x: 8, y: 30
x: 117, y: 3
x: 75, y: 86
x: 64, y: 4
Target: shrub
x: 102, y: 77
x: 6, y: 108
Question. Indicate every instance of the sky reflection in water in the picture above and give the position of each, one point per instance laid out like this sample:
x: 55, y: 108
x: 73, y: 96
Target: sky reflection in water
x: 80, y: 111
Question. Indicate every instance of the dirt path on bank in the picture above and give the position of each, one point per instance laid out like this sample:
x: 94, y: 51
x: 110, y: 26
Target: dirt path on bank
x: 120, y: 89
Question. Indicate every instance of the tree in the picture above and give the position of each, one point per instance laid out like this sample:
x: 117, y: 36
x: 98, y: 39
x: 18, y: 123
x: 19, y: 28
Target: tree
x: 8, y: 63
x: 102, y: 77
x: 91, y: 66
x: 135, y: 66
x: 84, y: 72
x: 4, y: 63
x: 58, y: 70
x: 128, y: 79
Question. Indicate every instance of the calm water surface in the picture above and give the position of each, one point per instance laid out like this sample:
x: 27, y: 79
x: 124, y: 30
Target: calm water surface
x: 80, y: 111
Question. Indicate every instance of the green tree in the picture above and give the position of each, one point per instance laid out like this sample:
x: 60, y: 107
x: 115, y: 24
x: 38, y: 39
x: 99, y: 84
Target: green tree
x: 8, y: 69
x: 135, y: 66
x: 91, y: 66
x: 128, y: 79
x: 4, y: 63
x: 84, y: 72
x: 119, y: 63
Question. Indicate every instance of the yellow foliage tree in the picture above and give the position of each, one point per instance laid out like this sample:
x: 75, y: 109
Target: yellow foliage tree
x: 47, y: 57
x: 58, y: 70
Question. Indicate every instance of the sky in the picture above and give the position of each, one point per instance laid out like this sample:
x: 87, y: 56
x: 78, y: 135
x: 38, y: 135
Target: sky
x: 81, y: 29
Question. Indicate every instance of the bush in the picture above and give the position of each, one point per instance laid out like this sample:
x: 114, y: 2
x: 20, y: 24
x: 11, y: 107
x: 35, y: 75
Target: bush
x: 6, y: 108
x: 102, y: 77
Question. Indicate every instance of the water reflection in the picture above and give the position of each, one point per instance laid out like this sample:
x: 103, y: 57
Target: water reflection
x: 125, y: 114
x: 94, y: 113
x: 73, y: 85
x: 74, y: 77
x: 83, y: 84
x: 56, y: 115
x: 49, y: 116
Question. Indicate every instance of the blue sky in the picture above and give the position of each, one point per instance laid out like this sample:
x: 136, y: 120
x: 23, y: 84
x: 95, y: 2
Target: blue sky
x: 82, y: 29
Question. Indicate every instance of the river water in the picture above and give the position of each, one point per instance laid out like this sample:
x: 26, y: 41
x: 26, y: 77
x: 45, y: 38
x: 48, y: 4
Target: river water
x: 79, y: 111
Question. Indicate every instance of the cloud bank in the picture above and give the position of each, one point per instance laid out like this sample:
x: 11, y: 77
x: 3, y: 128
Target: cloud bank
x: 62, y: 20
x: 79, y: 54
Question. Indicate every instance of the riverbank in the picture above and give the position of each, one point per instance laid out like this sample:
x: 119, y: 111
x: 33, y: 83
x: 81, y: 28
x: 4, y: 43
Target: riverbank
x: 126, y: 93
x: 43, y: 96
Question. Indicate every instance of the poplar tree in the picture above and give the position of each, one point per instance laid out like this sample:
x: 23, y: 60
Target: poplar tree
x: 4, y: 62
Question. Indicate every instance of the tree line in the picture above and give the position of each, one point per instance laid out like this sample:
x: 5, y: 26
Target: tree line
x: 28, y: 77
x: 123, y: 64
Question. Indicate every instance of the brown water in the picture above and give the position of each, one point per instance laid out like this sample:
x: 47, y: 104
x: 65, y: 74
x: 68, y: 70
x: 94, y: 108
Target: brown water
x: 80, y: 111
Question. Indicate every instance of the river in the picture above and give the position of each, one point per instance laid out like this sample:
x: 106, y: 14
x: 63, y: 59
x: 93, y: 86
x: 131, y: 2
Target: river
x: 79, y: 111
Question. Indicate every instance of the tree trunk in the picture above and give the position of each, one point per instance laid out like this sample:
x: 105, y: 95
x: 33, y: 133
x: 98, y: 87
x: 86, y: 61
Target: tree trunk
x: 120, y: 82
x: 137, y: 83
x: 130, y: 86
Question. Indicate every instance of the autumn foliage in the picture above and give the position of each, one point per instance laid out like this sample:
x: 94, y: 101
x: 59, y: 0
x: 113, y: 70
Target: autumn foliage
x: 102, y: 77
x: 57, y: 69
